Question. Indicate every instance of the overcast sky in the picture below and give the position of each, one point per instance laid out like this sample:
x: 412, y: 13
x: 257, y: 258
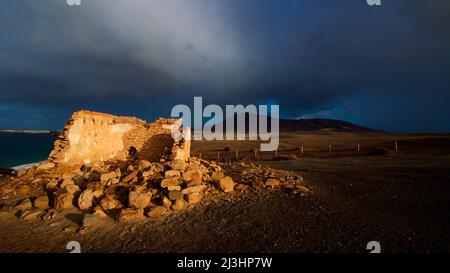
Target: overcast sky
x: 384, y: 67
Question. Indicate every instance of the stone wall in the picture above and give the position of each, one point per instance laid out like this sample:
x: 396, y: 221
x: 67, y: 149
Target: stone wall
x: 92, y: 137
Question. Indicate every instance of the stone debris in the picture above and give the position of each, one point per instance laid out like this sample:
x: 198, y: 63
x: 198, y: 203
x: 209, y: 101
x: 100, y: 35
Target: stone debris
x: 41, y: 202
x: 147, y: 189
x: 130, y: 187
x: 226, y: 184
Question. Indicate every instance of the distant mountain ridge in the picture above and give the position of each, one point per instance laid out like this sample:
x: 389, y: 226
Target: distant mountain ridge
x: 316, y: 124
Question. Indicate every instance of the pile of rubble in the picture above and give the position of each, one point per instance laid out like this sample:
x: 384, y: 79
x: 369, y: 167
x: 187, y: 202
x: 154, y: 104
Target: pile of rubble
x: 132, y: 190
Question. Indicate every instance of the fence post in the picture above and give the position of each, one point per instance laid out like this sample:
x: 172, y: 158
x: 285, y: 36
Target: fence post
x: 276, y: 152
x: 396, y: 146
x: 256, y: 152
x: 359, y: 148
x: 200, y: 155
x: 237, y: 154
x: 218, y: 156
x: 302, y: 150
x: 329, y: 148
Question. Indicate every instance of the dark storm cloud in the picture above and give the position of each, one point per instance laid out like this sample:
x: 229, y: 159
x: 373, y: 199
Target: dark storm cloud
x: 339, y: 59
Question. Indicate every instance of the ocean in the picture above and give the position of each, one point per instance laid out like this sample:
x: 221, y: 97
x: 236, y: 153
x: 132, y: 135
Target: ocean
x: 19, y: 149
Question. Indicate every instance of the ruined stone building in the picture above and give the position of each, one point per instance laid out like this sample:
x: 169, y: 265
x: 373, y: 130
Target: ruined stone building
x: 92, y: 137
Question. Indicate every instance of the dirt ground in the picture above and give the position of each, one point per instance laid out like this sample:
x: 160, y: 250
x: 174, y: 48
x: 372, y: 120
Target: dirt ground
x: 401, y: 200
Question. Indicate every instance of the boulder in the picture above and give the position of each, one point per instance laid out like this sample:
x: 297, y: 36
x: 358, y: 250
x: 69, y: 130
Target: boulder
x: 198, y: 188
x: 41, y: 202
x: 51, y: 186
x: 157, y: 212
x: 127, y: 215
x: 172, y: 173
x: 65, y: 183
x: 166, y: 202
x: 174, y: 195
x: 226, y: 184
x: 96, y: 188
x: 72, y: 189
x: 108, y: 176
x: 194, y: 197
x: 193, y: 174
x: 143, y: 165
x: 24, y: 205
x: 64, y: 201
x: 179, y: 204
x: 98, y: 211
x: 139, y: 200
x: 85, y: 199
x: 169, y: 182
x: 110, y: 203
x: 147, y: 174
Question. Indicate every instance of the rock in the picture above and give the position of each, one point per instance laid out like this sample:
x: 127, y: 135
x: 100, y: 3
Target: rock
x: 21, y: 172
x: 31, y: 214
x: 178, y: 165
x: 139, y: 200
x: 85, y: 199
x: 172, y: 173
x: 41, y: 202
x: 45, y: 166
x: 110, y: 203
x: 24, y: 205
x: 217, y: 176
x: 130, y: 177
x: 169, y: 182
x: 194, y: 197
x: 98, y: 211
x: 147, y: 174
x: 66, y: 183
x: 198, y: 188
x: 108, y: 176
x: 303, y: 189
x: 118, y: 172
x: 179, y: 204
x: 166, y: 202
x: 143, y: 165
x: 174, y: 195
x: 157, y: 212
x: 52, y: 186
x: 174, y: 188
x: 193, y: 175
x: 226, y: 184
x: 72, y: 189
x: 64, y: 201
x: 271, y: 182
x: 24, y: 189
x: 127, y: 215
x: 96, y: 188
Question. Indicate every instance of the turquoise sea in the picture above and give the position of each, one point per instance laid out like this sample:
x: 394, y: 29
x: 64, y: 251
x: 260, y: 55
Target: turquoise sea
x: 19, y: 149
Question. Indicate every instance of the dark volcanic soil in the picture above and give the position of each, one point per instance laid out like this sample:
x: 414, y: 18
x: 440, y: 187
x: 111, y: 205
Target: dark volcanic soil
x: 402, y: 201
